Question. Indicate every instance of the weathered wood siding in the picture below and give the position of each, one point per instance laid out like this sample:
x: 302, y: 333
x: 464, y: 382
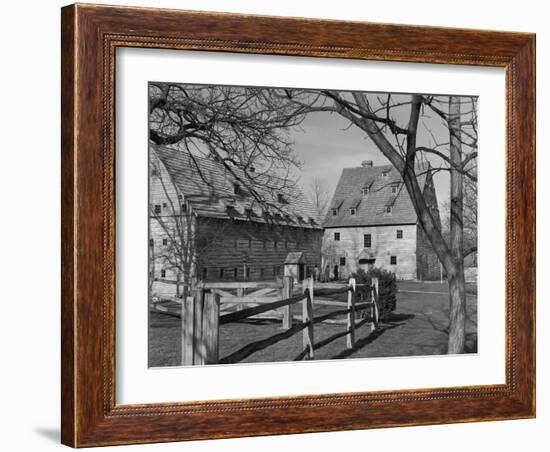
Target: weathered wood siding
x: 254, y: 251
x: 384, y: 244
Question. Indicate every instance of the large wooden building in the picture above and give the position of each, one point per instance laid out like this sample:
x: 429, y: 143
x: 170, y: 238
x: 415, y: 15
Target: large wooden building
x: 371, y: 222
x: 204, y: 224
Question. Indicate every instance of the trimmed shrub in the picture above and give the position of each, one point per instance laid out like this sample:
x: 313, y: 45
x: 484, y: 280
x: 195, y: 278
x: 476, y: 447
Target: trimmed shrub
x: 387, y: 287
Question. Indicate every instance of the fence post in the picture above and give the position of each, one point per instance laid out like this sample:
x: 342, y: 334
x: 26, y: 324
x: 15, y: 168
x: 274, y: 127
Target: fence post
x: 307, y: 316
x: 211, y: 327
x: 199, y: 353
x: 350, y: 338
x: 187, y: 331
x: 287, y: 293
x: 374, y: 292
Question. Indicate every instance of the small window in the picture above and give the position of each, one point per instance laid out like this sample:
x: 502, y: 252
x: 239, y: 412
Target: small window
x: 151, y: 242
x: 365, y: 191
x: 389, y: 209
x: 385, y: 174
x: 221, y: 273
x: 334, y: 212
x: 164, y: 242
x: 393, y: 260
x: 367, y: 241
x: 399, y: 234
x: 281, y: 198
x: 164, y: 205
x: 352, y: 211
x: 394, y: 188
x: 342, y: 261
x: 163, y: 273
x: 336, y: 236
x: 184, y: 207
x: 157, y: 208
x: 236, y: 189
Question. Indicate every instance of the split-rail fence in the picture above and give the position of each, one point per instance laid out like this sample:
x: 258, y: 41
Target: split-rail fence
x: 213, y: 304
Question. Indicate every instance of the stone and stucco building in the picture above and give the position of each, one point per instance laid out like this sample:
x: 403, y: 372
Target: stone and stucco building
x: 371, y: 222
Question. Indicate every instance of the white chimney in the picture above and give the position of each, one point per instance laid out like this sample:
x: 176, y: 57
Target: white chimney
x: 366, y: 164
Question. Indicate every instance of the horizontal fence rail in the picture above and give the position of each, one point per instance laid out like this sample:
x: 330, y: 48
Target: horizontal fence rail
x: 202, y: 315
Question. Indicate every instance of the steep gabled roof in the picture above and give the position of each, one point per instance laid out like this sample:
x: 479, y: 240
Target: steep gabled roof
x: 373, y: 206
x: 210, y: 189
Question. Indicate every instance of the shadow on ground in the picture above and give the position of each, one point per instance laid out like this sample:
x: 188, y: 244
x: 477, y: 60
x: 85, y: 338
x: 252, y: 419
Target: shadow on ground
x: 388, y: 324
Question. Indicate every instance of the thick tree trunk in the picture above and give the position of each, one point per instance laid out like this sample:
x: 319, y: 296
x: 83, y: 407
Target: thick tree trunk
x: 457, y: 290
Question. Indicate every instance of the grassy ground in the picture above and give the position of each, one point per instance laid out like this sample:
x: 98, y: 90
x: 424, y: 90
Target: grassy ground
x: 416, y: 327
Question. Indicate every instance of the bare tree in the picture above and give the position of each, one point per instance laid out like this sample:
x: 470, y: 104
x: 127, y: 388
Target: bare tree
x: 244, y: 129
x: 375, y: 115
x: 319, y: 196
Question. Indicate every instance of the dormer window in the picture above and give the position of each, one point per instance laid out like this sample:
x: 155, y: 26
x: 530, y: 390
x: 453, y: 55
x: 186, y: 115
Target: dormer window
x: 352, y: 211
x: 334, y: 212
x: 389, y: 210
x: 365, y: 191
x: 394, y: 188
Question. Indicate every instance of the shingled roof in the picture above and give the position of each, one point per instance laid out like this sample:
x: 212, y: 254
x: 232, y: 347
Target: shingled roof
x: 374, y: 202
x: 209, y: 188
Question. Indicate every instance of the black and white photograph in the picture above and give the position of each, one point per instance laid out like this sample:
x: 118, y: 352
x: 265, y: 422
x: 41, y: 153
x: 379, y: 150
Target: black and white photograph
x: 293, y: 224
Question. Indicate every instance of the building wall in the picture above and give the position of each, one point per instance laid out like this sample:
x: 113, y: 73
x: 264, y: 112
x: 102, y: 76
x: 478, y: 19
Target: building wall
x: 245, y: 250
x: 384, y: 244
x: 255, y: 251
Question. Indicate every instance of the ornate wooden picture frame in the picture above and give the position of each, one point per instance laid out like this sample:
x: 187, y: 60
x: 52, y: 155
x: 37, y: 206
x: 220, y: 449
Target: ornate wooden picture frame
x: 90, y: 37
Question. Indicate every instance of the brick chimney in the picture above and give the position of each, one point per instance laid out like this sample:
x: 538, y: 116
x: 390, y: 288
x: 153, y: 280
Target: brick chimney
x: 366, y: 164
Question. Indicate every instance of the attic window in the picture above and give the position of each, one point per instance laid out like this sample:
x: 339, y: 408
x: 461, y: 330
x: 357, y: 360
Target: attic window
x: 394, y: 188
x: 385, y: 174
x: 365, y: 191
x: 389, y: 209
x: 352, y: 211
x: 334, y: 212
